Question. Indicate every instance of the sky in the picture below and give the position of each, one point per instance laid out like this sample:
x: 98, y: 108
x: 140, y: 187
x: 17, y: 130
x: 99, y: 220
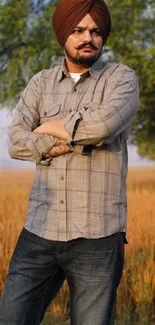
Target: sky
x: 6, y: 161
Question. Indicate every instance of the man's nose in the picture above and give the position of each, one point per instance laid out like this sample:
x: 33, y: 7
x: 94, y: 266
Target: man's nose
x: 87, y: 36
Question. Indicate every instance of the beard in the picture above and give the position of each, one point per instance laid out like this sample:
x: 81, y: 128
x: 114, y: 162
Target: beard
x: 82, y: 60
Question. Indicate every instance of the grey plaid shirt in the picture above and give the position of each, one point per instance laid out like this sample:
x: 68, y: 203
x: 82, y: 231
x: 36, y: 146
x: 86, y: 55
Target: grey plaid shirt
x: 82, y: 193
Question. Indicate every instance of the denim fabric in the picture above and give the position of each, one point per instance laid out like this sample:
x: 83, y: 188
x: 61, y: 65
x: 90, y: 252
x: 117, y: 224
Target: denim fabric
x: 92, y: 267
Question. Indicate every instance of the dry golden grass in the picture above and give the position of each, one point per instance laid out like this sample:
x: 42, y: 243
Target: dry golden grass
x: 137, y: 290
x: 14, y: 189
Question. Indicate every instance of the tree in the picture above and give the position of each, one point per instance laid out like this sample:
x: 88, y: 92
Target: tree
x: 28, y: 45
x: 132, y: 42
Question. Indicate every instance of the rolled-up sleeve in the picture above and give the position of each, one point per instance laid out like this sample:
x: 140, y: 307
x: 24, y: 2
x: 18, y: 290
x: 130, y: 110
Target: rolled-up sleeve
x: 98, y: 124
x: 23, y: 143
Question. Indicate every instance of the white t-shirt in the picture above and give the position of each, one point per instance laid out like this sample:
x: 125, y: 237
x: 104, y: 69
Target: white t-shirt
x: 75, y: 76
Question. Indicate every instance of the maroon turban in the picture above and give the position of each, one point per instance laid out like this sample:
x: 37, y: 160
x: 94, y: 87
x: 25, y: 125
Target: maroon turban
x: 69, y: 13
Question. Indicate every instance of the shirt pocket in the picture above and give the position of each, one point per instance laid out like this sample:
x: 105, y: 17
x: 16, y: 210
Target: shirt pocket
x: 50, y: 111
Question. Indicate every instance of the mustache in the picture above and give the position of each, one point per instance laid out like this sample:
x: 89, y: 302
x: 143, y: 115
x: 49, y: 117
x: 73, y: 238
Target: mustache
x: 83, y: 45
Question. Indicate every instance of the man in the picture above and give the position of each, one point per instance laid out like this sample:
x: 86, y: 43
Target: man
x: 73, y: 121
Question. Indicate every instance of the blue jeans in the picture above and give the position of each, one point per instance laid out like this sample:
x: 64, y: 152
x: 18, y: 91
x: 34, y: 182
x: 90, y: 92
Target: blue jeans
x: 38, y: 268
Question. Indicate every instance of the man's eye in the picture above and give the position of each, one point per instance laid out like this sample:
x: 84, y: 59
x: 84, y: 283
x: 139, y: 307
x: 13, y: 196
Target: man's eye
x: 97, y: 32
x: 77, y: 31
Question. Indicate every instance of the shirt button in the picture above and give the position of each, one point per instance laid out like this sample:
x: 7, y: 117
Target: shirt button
x: 75, y: 89
x: 70, y: 110
x: 61, y: 202
x: 45, y: 113
x: 62, y: 178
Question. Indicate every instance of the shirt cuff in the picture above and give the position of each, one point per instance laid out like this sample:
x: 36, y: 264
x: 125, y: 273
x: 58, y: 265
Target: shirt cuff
x: 40, y: 145
x: 70, y: 126
x: 75, y: 147
x: 70, y: 123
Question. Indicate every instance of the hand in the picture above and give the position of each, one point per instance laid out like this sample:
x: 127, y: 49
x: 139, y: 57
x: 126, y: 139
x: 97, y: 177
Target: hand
x: 58, y: 150
x: 53, y: 127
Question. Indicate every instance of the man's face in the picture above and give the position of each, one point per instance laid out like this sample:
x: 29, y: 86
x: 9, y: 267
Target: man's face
x: 84, y: 46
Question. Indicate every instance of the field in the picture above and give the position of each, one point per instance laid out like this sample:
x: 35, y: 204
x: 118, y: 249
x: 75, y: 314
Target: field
x: 136, y: 295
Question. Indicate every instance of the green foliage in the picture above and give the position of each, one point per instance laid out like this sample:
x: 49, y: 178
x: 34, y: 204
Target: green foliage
x: 132, y: 42
x: 28, y: 45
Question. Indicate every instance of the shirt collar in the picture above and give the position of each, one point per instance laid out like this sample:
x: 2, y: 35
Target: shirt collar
x: 94, y: 71
x: 63, y: 71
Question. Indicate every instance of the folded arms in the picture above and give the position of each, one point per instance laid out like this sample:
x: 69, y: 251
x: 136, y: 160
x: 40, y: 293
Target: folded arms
x: 94, y: 125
